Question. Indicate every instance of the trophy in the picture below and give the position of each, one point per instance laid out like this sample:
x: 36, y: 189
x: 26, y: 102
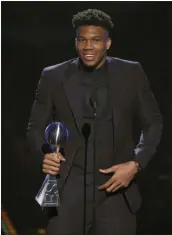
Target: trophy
x: 56, y: 135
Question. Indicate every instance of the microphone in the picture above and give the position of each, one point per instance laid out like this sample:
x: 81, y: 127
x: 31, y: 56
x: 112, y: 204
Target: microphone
x: 86, y: 130
x: 93, y: 102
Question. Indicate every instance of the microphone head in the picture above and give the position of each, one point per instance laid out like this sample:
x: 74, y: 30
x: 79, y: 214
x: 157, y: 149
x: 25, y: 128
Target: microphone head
x: 86, y: 130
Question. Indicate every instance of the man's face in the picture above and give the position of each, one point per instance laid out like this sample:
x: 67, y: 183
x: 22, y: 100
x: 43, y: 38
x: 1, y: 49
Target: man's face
x: 92, y: 42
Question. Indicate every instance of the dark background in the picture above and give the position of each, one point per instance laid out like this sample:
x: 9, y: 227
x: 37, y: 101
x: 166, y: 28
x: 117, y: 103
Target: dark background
x: 39, y: 34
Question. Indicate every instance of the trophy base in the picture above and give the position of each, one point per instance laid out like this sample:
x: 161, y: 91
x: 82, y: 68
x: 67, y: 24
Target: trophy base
x: 48, y: 196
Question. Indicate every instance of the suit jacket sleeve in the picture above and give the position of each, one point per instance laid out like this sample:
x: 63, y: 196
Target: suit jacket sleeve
x: 41, y: 116
x: 150, y: 117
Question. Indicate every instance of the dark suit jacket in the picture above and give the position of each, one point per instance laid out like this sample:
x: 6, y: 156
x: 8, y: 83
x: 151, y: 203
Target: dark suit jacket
x: 58, y: 94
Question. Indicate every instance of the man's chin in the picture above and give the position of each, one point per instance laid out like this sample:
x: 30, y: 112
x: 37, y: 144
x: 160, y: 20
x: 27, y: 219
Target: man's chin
x: 89, y: 64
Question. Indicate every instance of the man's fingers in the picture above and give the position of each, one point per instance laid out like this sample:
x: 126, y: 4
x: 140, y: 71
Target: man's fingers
x: 117, y: 188
x: 56, y: 157
x: 52, y: 168
x: 51, y: 163
x: 106, y: 185
x: 62, y: 158
x: 59, y: 156
x: 113, y: 187
x: 108, y: 170
x: 52, y: 157
x: 50, y: 172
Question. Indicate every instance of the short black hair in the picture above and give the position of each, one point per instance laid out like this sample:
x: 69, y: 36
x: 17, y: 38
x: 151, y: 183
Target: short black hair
x: 92, y: 17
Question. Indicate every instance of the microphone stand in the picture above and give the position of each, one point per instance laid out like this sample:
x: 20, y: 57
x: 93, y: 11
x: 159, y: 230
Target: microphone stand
x: 86, y: 132
x: 94, y: 166
x: 86, y: 129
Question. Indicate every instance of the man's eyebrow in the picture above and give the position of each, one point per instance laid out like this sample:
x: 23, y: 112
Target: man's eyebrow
x: 97, y: 36
x: 93, y: 37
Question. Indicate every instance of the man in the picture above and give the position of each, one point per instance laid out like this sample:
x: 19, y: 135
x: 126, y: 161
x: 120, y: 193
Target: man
x: 106, y: 95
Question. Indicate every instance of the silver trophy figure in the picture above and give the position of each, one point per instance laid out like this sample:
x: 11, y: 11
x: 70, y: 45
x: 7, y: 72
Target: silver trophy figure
x: 56, y: 135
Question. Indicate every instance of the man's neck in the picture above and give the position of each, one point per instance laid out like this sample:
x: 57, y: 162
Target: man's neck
x: 92, y: 69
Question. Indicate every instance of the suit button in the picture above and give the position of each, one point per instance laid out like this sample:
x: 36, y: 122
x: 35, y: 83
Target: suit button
x: 109, y: 118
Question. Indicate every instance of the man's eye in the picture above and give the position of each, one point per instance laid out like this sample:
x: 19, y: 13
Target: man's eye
x: 81, y: 39
x: 97, y: 39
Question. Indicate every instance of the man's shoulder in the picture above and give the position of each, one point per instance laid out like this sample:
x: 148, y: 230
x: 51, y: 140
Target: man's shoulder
x: 121, y: 62
x: 59, y: 67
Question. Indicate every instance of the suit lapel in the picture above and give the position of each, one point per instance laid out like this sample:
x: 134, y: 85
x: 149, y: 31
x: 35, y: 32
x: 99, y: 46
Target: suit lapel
x: 74, y: 91
x: 114, y: 89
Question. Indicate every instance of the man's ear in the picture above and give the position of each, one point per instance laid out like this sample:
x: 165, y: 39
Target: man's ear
x: 108, y: 43
x: 75, y: 42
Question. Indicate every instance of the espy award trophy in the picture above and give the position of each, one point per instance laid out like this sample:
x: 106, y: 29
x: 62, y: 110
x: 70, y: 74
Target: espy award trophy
x: 56, y: 135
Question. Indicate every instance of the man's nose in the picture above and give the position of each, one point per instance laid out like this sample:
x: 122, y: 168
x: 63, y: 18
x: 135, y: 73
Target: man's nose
x: 88, y: 45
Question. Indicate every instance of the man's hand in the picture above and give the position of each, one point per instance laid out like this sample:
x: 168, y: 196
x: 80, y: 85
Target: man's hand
x: 51, y: 163
x: 123, y: 174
